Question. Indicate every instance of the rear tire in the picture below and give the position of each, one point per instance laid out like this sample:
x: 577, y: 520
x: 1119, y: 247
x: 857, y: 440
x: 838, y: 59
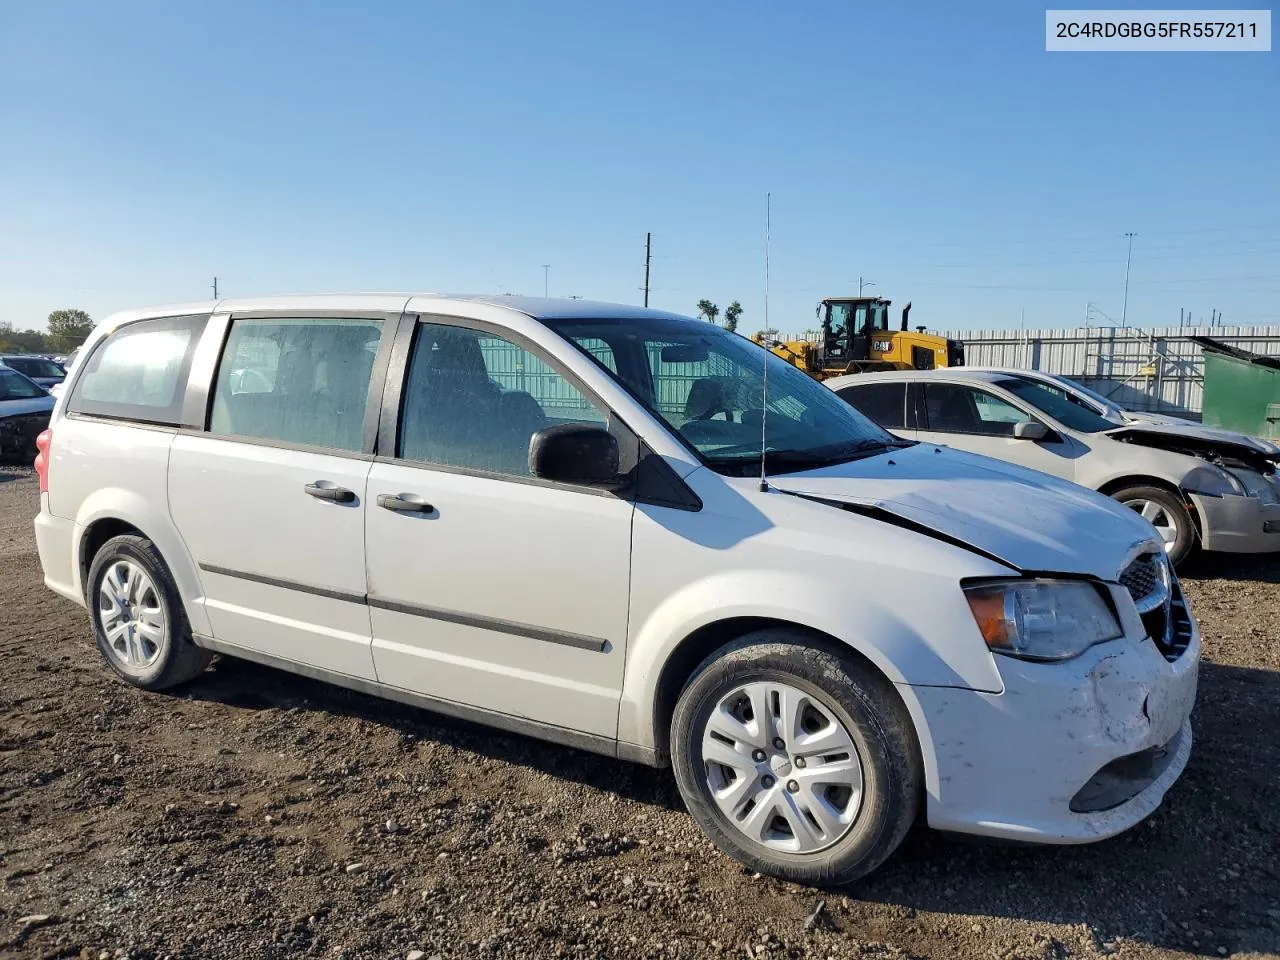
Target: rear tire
x: 139, y: 623
x: 822, y: 791
x: 1167, y: 513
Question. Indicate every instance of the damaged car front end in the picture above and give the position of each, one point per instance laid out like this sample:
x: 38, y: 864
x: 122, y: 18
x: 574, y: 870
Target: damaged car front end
x: 1092, y: 642
x: 1240, y: 512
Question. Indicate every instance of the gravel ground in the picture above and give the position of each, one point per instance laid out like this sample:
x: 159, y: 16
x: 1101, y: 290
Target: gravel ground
x: 254, y: 814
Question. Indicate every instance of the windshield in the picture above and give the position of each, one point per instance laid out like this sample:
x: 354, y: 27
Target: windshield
x: 1066, y: 410
x: 708, y: 385
x: 36, y: 367
x: 1080, y: 391
x: 14, y: 386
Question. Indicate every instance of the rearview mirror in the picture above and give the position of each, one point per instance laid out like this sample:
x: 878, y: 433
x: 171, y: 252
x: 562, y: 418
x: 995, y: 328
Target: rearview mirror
x: 684, y: 353
x: 575, y: 453
x: 1030, y: 430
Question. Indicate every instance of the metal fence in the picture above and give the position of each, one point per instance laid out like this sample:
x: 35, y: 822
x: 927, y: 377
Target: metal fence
x: 1159, y: 370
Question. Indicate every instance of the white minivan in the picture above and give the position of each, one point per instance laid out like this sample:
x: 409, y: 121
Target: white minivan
x: 632, y: 533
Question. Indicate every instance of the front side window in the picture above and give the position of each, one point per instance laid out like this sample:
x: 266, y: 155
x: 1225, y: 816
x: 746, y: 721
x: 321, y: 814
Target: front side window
x: 296, y: 380
x: 1066, y: 410
x: 709, y: 386
x: 474, y: 400
x: 139, y: 372
x: 36, y: 367
x: 885, y: 403
x: 956, y: 408
x: 14, y: 386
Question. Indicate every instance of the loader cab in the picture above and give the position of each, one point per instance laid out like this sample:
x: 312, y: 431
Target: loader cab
x: 849, y: 324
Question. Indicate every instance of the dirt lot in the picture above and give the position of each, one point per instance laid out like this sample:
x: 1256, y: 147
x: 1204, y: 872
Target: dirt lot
x: 258, y: 815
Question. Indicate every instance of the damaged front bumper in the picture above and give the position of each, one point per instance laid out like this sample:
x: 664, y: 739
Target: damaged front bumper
x: 1238, y: 524
x: 1070, y: 752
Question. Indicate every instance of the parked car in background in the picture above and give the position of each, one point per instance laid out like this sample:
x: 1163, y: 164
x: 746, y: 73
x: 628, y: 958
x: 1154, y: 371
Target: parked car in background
x: 40, y: 369
x: 1216, y: 493
x: 1109, y: 409
x: 25, y: 407
x: 549, y: 516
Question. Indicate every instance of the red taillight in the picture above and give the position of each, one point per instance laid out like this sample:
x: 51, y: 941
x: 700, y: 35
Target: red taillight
x: 42, y: 458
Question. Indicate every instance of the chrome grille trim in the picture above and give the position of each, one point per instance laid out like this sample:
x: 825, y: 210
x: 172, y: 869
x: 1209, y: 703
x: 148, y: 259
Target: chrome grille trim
x: 1148, y: 581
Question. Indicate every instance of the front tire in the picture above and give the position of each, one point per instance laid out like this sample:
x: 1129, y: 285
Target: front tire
x: 1167, y: 513
x: 138, y: 619
x: 798, y: 761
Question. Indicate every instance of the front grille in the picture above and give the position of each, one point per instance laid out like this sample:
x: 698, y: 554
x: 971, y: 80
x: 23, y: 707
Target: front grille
x: 1146, y: 580
x: 1170, y: 626
x: 1158, y: 597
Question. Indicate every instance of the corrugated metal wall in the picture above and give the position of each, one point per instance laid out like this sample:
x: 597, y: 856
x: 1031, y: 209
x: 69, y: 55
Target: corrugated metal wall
x: 1159, y: 370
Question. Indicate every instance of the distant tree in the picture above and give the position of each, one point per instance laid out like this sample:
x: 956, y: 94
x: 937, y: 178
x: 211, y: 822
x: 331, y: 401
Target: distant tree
x: 69, y: 328
x: 709, y: 310
x: 731, y: 314
x: 22, y: 341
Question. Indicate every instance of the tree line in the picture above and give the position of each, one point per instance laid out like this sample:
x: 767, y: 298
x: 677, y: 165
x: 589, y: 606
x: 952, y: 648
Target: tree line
x: 67, y: 330
x: 710, y: 311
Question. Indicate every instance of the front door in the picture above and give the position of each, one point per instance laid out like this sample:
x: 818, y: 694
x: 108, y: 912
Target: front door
x: 970, y: 418
x: 486, y: 586
x: 271, y: 500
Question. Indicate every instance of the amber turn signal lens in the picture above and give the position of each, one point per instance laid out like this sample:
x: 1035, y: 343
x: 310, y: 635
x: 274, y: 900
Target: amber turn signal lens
x: 988, y: 611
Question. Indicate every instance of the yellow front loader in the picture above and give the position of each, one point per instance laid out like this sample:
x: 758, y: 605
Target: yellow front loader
x: 854, y: 337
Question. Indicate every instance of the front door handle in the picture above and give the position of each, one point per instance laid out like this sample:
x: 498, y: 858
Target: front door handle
x: 404, y: 503
x: 328, y: 490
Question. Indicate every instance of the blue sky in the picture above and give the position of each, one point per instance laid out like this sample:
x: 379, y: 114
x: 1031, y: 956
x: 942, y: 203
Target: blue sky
x: 934, y: 148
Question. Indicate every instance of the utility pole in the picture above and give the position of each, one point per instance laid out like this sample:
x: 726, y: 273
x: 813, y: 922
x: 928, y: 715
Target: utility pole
x: 648, y: 256
x: 1124, y: 310
x: 546, y: 272
x: 864, y: 283
x: 215, y: 288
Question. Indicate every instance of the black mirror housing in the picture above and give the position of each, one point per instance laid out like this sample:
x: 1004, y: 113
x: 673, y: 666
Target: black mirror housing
x: 575, y: 453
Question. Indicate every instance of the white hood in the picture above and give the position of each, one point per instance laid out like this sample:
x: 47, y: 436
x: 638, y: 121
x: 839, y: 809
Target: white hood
x: 1028, y: 520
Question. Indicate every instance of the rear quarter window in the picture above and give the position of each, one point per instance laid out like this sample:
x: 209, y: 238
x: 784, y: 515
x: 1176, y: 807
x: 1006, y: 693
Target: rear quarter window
x: 139, y: 372
x: 885, y: 403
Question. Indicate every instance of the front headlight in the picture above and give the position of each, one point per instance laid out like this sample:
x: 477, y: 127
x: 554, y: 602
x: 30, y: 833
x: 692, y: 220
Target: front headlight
x: 1212, y: 481
x: 1042, y: 619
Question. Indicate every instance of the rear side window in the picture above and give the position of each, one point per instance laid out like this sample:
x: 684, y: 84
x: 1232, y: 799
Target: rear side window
x: 885, y: 403
x: 139, y: 372
x: 36, y: 367
x: 296, y: 380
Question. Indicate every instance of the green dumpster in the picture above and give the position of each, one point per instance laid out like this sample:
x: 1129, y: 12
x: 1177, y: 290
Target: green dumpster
x: 1241, y: 391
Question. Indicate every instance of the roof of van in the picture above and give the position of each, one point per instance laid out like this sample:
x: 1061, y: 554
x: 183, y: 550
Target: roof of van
x: 539, y: 308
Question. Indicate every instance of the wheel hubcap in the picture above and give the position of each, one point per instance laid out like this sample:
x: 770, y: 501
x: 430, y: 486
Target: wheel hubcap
x: 781, y: 768
x: 1158, y: 517
x: 131, y: 614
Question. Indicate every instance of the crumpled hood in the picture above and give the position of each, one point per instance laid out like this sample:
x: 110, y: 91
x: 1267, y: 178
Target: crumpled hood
x: 1229, y: 442
x: 1028, y: 520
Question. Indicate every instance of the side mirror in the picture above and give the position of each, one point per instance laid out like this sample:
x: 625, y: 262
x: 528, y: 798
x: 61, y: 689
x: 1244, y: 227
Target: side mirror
x: 575, y: 453
x: 1030, y: 430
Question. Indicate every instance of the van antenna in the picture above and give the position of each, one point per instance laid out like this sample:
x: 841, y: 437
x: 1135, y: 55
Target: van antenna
x: 764, y: 404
